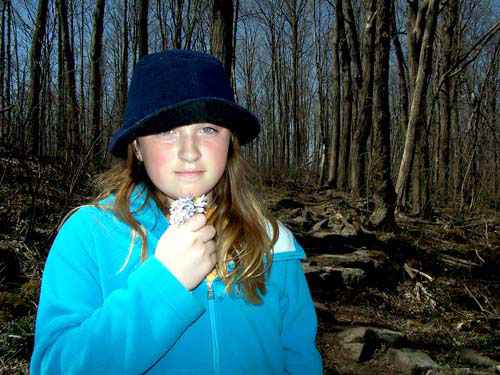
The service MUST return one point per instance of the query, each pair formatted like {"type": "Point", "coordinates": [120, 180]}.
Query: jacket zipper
{"type": "Point", "coordinates": [211, 309]}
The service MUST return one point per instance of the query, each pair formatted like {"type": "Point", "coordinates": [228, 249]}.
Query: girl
{"type": "Point", "coordinates": [124, 292]}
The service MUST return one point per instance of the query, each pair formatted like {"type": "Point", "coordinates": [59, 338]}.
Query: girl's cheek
{"type": "Point", "coordinates": [161, 155]}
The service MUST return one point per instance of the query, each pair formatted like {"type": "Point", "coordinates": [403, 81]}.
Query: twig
{"type": "Point", "coordinates": [457, 261]}
{"type": "Point", "coordinates": [479, 256]}
{"type": "Point", "coordinates": [471, 225]}
{"type": "Point", "coordinates": [411, 271]}
{"type": "Point", "coordinates": [475, 299]}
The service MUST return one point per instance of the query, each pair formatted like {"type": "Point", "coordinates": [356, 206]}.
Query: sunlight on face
{"type": "Point", "coordinates": [187, 160]}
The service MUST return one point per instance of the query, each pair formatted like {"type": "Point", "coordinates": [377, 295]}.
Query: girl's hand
{"type": "Point", "coordinates": [188, 251]}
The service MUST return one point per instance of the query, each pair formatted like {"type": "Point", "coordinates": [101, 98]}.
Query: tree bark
{"type": "Point", "coordinates": [445, 97]}
{"type": "Point", "coordinates": [95, 101]}
{"type": "Point", "coordinates": [345, 147]}
{"type": "Point", "coordinates": [322, 144]}
{"type": "Point", "coordinates": [70, 81]}
{"type": "Point", "coordinates": [365, 104]}
{"type": "Point", "coordinates": [4, 128]}
{"type": "Point", "coordinates": [293, 14]}
{"type": "Point", "coordinates": [403, 86]}
{"type": "Point", "coordinates": [142, 26]}
{"type": "Point", "coordinates": [221, 37]}
{"type": "Point", "coordinates": [421, 33]}
{"type": "Point", "coordinates": [124, 62]}
{"type": "Point", "coordinates": [35, 75]}
{"type": "Point", "coordinates": [178, 24]}
{"type": "Point", "coordinates": [62, 128]}
{"type": "Point", "coordinates": [384, 195]}
{"type": "Point", "coordinates": [333, 152]}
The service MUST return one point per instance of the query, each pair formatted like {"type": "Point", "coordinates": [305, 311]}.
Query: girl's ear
{"type": "Point", "coordinates": [137, 150]}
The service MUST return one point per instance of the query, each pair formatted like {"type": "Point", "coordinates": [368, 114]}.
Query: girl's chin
{"type": "Point", "coordinates": [194, 193]}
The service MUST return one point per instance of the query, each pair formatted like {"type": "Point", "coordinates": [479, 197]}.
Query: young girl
{"type": "Point", "coordinates": [124, 292]}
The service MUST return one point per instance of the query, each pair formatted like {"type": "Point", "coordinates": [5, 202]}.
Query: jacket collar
{"type": "Point", "coordinates": [147, 213]}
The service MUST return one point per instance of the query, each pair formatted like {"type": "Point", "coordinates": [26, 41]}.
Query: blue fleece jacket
{"type": "Point", "coordinates": [97, 317]}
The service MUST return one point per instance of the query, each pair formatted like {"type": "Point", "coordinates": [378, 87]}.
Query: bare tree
{"type": "Point", "coordinates": [448, 31]}
{"type": "Point", "coordinates": [35, 75]}
{"type": "Point", "coordinates": [221, 36]}
{"type": "Point", "coordinates": [365, 102]}
{"type": "Point", "coordinates": [141, 11]}
{"type": "Point", "coordinates": [403, 87]}
{"type": "Point", "coordinates": [124, 61]}
{"type": "Point", "coordinates": [333, 157]}
{"type": "Point", "coordinates": [384, 195]}
{"type": "Point", "coordinates": [95, 101]}
{"type": "Point", "coordinates": [347, 98]}
{"type": "Point", "coordinates": [69, 78]}
{"type": "Point", "coordinates": [421, 25]}
{"type": "Point", "coordinates": [322, 143]}
{"type": "Point", "coordinates": [177, 16]}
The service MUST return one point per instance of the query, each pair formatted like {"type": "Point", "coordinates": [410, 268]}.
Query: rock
{"type": "Point", "coordinates": [333, 231]}
{"type": "Point", "coordinates": [349, 335]}
{"type": "Point", "coordinates": [367, 260]}
{"type": "Point", "coordinates": [358, 342]}
{"type": "Point", "coordinates": [333, 277]}
{"type": "Point", "coordinates": [323, 224]}
{"type": "Point", "coordinates": [323, 312]}
{"type": "Point", "coordinates": [411, 361]}
{"type": "Point", "coordinates": [389, 337]}
{"type": "Point", "coordinates": [343, 277]}
{"type": "Point", "coordinates": [353, 351]}
{"type": "Point", "coordinates": [476, 359]}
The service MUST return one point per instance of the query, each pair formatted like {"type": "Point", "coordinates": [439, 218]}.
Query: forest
{"type": "Point", "coordinates": [390, 107]}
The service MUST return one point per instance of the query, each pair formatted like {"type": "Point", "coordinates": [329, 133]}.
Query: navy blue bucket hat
{"type": "Point", "coordinates": [180, 87]}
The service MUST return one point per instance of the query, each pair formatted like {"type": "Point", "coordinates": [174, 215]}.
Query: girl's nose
{"type": "Point", "coordinates": [188, 148]}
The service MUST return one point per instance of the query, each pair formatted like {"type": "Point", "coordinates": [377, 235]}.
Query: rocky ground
{"type": "Point", "coordinates": [422, 300]}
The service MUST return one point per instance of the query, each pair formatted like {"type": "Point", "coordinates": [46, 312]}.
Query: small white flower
{"type": "Point", "coordinates": [185, 207]}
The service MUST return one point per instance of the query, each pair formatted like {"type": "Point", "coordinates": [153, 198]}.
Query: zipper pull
{"type": "Point", "coordinates": [210, 290]}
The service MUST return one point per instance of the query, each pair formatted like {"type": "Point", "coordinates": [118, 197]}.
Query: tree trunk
{"type": "Point", "coordinates": [333, 152]}
{"type": "Point", "coordinates": [70, 81]}
{"type": "Point", "coordinates": [293, 15]}
{"type": "Point", "coordinates": [3, 125]}
{"type": "Point", "coordinates": [384, 194]}
{"type": "Point", "coordinates": [124, 62]}
{"type": "Point", "coordinates": [352, 35]}
{"type": "Point", "coordinates": [445, 97]}
{"type": "Point", "coordinates": [365, 103]}
{"type": "Point", "coordinates": [403, 87]}
{"type": "Point", "coordinates": [63, 137]}
{"type": "Point", "coordinates": [95, 101]}
{"type": "Point", "coordinates": [6, 82]}
{"type": "Point", "coordinates": [178, 24]}
{"type": "Point", "coordinates": [420, 39]}
{"type": "Point", "coordinates": [35, 75]}
{"type": "Point", "coordinates": [322, 145]}
{"type": "Point", "coordinates": [142, 26]}
{"type": "Point", "coordinates": [222, 33]}
{"type": "Point", "coordinates": [345, 149]}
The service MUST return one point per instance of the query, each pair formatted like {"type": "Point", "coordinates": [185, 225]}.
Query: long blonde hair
{"type": "Point", "coordinates": [240, 220]}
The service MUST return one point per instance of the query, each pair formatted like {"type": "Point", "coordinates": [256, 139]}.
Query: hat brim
{"type": "Point", "coordinates": [239, 120]}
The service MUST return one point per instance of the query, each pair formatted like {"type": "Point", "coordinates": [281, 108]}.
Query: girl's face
{"type": "Point", "coordinates": [187, 160]}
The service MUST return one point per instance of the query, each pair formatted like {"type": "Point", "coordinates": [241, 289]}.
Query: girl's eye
{"type": "Point", "coordinates": [209, 130]}
{"type": "Point", "coordinates": [169, 134]}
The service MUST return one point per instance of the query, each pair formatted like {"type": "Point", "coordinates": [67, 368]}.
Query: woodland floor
{"type": "Point", "coordinates": [458, 286]}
